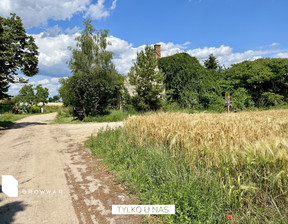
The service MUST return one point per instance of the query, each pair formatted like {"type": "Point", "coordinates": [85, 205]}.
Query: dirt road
{"type": "Point", "coordinates": [59, 181]}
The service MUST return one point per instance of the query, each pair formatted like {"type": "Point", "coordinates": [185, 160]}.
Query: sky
{"type": "Point", "coordinates": [232, 30]}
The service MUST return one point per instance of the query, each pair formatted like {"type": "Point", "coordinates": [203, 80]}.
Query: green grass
{"type": "Point", "coordinates": [51, 109]}
{"type": "Point", "coordinates": [65, 116]}
{"type": "Point", "coordinates": [157, 177]}
{"type": "Point", "coordinates": [7, 119]}
{"type": "Point", "coordinates": [252, 191]}
{"type": "Point", "coordinates": [111, 116]}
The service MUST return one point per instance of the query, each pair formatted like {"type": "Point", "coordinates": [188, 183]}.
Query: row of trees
{"type": "Point", "coordinates": [29, 98]}
{"type": "Point", "coordinates": [179, 80]}
{"type": "Point", "coordinates": [260, 83]}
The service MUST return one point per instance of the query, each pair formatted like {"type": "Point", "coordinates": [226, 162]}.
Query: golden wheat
{"type": "Point", "coordinates": [266, 131]}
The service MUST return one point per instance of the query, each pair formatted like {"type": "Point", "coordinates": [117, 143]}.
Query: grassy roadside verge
{"type": "Point", "coordinates": [206, 184]}
{"type": "Point", "coordinates": [7, 119]}
{"type": "Point", "coordinates": [65, 116]}
{"type": "Point", "coordinates": [157, 177]}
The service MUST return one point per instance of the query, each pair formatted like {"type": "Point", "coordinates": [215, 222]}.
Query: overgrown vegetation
{"type": "Point", "coordinates": [261, 83]}
{"type": "Point", "coordinates": [189, 84]}
{"type": "Point", "coordinates": [65, 115]}
{"type": "Point", "coordinates": [208, 165]}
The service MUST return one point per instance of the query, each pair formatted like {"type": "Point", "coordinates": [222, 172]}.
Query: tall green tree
{"type": "Point", "coordinates": [211, 62]}
{"type": "Point", "coordinates": [95, 79]}
{"type": "Point", "coordinates": [41, 95]}
{"type": "Point", "coordinates": [18, 51]}
{"type": "Point", "coordinates": [148, 81]}
{"type": "Point", "coordinates": [26, 95]}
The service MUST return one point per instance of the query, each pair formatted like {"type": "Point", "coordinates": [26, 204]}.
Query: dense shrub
{"type": "Point", "coordinates": [241, 100]}
{"type": "Point", "coordinates": [34, 109]}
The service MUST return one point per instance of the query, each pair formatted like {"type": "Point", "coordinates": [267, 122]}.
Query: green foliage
{"type": "Point", "coordinates": [95, 83]}
{"type": "Point", "coordinates": [7, 119]}
{"type": "Point", "coordinates": [18, 51]}
{"type": "Point", "coordinates": [54, 99]}
{"type": "Point", "coordinates": [34, 109]}
{"type": "Point", "coordinates": [65, 115]}
{"type": "Point", "coordinates": [67, 93]}
{"type": "Point", "coordinates": [157, 177]}
{"type": "Point", "coordinates": [271, 99]}
{"type": "Point", "coordinates": [250, 185]}
{"type": "Point", "coordinates": [126, 100]}
{"type": "Point", "coordinates": [6, 102]}
{"type": "Point", "coordinates": [211, 62]}
{"type": "Point", "coordinates": [111, 116]}
{"type": "Point", "coordinates": [51, 109]}
{"type": "Point", "coordinates": [259, 77]}
{"type": "Point", "coordinates": [26, 95]}
{"type": "Point", "coordinates": [148, 81]}
{"type": "Point", "coordinates": [188, 83]}
{"type": "Point", "coordinates": [41, 95]}
{"type": "Point", "coordinates": [241, 100]}
{"type": "Point", "coordinates": [5, 108]}
{"type": "Point", "coordinates": [29, 95]}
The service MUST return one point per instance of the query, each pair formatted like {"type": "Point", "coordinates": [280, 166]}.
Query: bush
{"type": "Point", "coordinates": [5, 108]}
{"type": "Point", "coordinates": [34, 109]}
{"type": "Point", "coordinates": [241, 100]}
{"type": "Point", "coordinates": [271, 99]}
{"type": "Point", "coordinates": [7, 102]}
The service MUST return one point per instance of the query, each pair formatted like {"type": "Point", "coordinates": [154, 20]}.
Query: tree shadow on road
{"type": "Point", "coordinates": [9, 210]}
{"type": "Point", "coordinates": [24, 124]}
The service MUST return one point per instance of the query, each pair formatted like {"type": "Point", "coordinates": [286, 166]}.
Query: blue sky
{"type": "Point", "coordinates": [233, 30]}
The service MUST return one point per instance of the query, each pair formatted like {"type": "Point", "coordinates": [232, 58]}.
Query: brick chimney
{"type": "Point", "coordinates": [157, 50]}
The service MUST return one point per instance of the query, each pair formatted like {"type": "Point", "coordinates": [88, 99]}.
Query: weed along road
{"type": "Point", "coordinates": [58, 180]}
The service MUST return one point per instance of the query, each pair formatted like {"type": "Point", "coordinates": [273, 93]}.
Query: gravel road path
{"type": "Point", "coordinates": [47, 157]}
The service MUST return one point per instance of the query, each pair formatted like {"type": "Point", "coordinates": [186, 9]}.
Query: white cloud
{"type": "Point", "coordinates": [55, 80]}
{"type": "Point", "coordinates": [73, 30]}
{"type": "Point", "coordinates": [38, 12]}
{"type": "Point", "coordinates": [54, 53]}
{"type": "Point", "coordinates": [113, 6]}
{"type": "Point", "coordinates": [274, 44]}
{"type": "Point", "coordinates": [226, 56]}
{"type": "Point", "coordinates": [52, 31]}
{"type": "Point", "coordinates": [205, 52]}
{"type": "Point", "coordinates": [99, 10]}
{"type": "Point", "coordinates": [43, 82]}
{"type": "Point", "coordinates": [282, 55]}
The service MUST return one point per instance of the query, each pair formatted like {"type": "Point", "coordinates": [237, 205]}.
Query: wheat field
{"type": "Point", "coordinates": [246, 152]}
{"type": "Point", "coordinates": [265, 131]}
